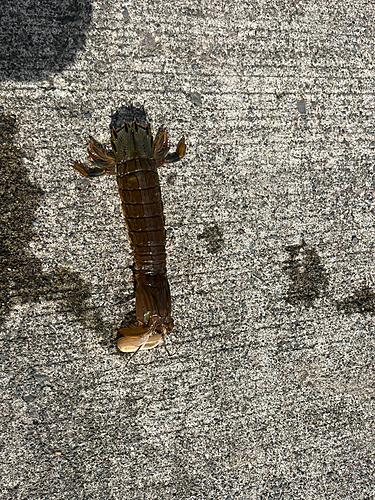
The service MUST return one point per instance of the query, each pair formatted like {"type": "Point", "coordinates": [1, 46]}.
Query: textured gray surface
{"type": "Point", "coordinates": [270, 221]}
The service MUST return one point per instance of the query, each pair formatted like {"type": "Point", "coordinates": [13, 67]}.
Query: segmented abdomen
{"type": "Point", "coordinates": [139, 189]}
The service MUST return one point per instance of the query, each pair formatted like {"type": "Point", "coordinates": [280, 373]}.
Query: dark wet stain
{"type": "Point", "coordinates": [308, 276]}
{"type": "Point", "coordinates": [362, 301]}
{"type": "Point", "coordinates": [41, 37]}
{"type": "Point", "coordinates": [171, 178]}
{"type": "Point", "coordinates": [214, 237]}
{"type": "Point", "coordinates": [22, 279]}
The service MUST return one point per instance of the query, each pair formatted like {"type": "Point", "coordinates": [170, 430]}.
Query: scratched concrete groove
{"type": "Point", "coordinates": [271, 235]}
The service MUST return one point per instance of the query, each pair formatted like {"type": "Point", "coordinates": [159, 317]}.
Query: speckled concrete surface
{"type": "Point", "coordinates": [271, 233]}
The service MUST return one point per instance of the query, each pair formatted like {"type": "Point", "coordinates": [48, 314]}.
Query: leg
{"type": "Point", "coordinates": [178, 154]}
{"type": "Point", "coordinates": [161, 149]}
{"type": "Point", "coordinates": [88, 171]}
{"type": "Point", "coordinates": [103, 161]}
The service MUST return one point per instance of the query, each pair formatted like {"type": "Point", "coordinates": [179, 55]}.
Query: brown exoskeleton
{"type": "Point", "coordinates": [134, 160]}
